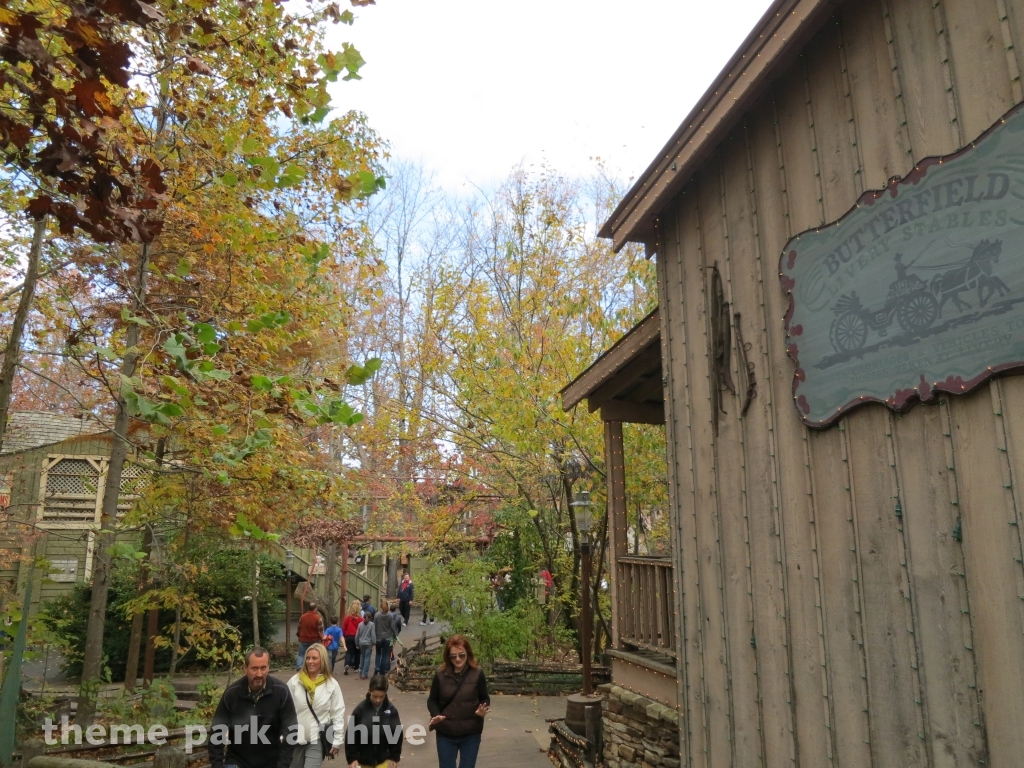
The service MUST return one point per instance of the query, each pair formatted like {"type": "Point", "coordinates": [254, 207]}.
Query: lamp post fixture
{"type": "Point", "coordinates": [582, 512]}
{"type": "Point", "coordinates": [289, 564]}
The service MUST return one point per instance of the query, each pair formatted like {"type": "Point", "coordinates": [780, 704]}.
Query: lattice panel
{"type": "Point", "coordinates": [69, 512]}
{"type": "Point", "coordinates": [75, 477]}
{"type": "Point", "coordinates": [134, 479]}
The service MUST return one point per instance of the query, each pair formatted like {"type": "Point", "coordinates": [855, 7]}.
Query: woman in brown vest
{"type": "Point", "coordinates": [458, 703]}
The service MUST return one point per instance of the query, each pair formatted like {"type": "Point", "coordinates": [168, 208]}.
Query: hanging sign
{"type": "Point", "coordinates": [918, 289]}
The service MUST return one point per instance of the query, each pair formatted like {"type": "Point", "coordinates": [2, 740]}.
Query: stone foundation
{"type": "Point", "coordinates": [636, 731]}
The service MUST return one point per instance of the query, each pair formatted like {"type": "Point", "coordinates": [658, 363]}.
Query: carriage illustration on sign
{"type": "Point", "coordinates": [916, 304]}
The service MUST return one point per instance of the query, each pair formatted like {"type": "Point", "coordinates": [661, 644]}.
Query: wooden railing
{"type": "Point", "coordinates": [645, 604]}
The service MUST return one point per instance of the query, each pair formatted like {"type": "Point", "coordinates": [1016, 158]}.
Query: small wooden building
{"type": "Point", "coordinates": [845, 589]}
{"type": "Point", "coordinates": [52, 474]}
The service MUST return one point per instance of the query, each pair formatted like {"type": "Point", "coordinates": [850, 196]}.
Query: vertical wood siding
{"type": "Point", "coordinates": [853, 596]}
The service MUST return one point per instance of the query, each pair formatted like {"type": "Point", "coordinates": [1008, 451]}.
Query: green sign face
{"type": "Point", "coordinates": [917, 289]}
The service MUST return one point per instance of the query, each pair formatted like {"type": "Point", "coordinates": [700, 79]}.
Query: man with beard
{"type": "Point", "coordinates": [254, 716]}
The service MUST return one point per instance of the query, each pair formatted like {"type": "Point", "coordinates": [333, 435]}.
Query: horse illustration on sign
{"type": "Point", "coordinates": [951, 233]}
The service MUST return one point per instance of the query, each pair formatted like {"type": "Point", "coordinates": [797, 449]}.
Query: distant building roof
{"type": "Point", "coordinates": [33, 429]}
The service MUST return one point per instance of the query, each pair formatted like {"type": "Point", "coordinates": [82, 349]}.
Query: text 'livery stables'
{"type": "Point", "coordinates": [919, 288]}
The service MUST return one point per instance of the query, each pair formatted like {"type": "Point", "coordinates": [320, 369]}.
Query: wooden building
{"type": "Point", "coordinates": [52, 473]}
{"type": "Point", "coordinates": [848, 592]}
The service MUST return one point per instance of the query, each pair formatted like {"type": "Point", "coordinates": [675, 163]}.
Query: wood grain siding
{"type": "Point", "coordinates": [853, 596]}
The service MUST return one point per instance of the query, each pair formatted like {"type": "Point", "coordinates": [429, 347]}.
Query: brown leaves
{"type": "Point", "coordinates": [198, 66]}
{"type": "Point", "coordinates": [63, 112]}
{"type": "Point", "coordinates": [320, 532]}
{"type": "Point", "coordinates": [92, 99]}
{"type": "Point", "coordinates": [359, 3]}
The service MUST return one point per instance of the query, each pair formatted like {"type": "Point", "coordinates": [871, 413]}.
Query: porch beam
{"type": "Point", "coordinates": [633, 413]}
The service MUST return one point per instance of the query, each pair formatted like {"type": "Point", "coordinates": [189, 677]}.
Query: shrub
{"type": "Point", "coordinates": [460, 594]}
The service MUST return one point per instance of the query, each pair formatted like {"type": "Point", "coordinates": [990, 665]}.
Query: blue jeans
{"type": "Point", "coordinates": [303, 647]}
{"type": "Point", "coordinates": [383, 657]}
{"type": "Point", "coordinates": [334, 654]}
{"type": "Point", "coordinates": [448, 749]}
{"type": "Point", "coordinates": [365, 657]}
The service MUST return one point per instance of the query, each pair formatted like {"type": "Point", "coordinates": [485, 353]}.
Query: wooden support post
{"type": "Point", "coordinates": [616, 477]}
{"type": "Point", "coordinates": [169, 757]}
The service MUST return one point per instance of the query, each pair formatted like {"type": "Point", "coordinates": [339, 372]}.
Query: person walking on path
{"type": "Point", "coordinates": [385, 627]}
{"type": "Point", "coordinates": [349, 627]}
{"type": "Point", "coordinates": [332, 639]}
{"type": "Point", "coordinates": [405, 597]}
{"type": "Point", "coordinates": [374, 716]}
{"type": "Point", "coordinates": [366, 638]}
{"type": "Point", "coordinates": [458, 703]}
{"type": "Point", "coordinates": [311, 630]}
{"type": "Point", "coordinates": [319, 709]}
{"type": "Point", "coordinates": [368, 606]}
{"type": "Point", "coordinates": [256, 697]}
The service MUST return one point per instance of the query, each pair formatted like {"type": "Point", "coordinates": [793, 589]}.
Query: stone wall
{"type": "Point", "coordinates": [636, 731]}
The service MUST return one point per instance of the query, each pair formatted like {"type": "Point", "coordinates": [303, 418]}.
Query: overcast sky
{"type": "Point", "coordinates": [474, 87]}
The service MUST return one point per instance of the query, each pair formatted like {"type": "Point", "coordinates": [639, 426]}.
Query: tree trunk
{"type": "Point", "coordinates": [132, 670]}
{"type": "Point", "coordinates": [93, 657]}
{"type": "Point", "coordinates": [255, 604]}
{"type": "Point", "coordinates": [12, 355]}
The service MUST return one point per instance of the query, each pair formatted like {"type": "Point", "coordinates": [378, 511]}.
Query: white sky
{"type": "Point", "coordinates": [473, 87]}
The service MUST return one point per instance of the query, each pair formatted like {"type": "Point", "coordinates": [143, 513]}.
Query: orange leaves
{"type": "Point", "coordinates": [92, 99]}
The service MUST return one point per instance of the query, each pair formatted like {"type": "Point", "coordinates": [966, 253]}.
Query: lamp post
{"type": "Point", "coordinates": [289, 564]}
{"type": "Point", "coordinates": [582, 512]}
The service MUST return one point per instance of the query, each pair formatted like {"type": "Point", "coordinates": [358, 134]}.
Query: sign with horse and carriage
{"type": "Point", "coordinates": [918, 289]}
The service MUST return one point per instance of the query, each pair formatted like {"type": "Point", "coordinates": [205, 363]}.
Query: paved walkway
{"type": "Point", "coordinates": [515, 732]}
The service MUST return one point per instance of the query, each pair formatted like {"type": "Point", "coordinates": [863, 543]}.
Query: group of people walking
{"type": "Point", "coordinates": [264, 722]}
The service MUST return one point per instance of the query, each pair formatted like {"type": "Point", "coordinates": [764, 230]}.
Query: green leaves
{"type": "Point", "coordinates": [360, 374]}
{"type": "Point", "coordinates": [349, 61]}
{"type": "Point", "coordinates": [246, 529]}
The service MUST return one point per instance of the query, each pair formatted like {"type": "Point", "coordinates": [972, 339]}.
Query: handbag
{"type": "Point", "coordinates": [325, 746]}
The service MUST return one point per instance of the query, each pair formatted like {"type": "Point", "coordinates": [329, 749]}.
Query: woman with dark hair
{"type": "Point", "coordinates": [458, 703]}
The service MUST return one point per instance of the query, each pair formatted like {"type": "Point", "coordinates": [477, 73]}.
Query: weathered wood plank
{"type": "Point", "coordinates": [771, 195]}
{"type": "Point", "coordinates": [986, 511]}
{"type": "Point", "coordinates": [877, 93]}
{"type": "Point", "coordinates": [926, 77]}
{"type": "Point", "coordinates": [981, 78]}
{"type": "Point", "coordinates": [927, 496]}
{"type": "Point", "coordinates": [732, 501]}
{"type": "Point", "coordinates": [834, 140]}
{"type": "Point", "coordinates": [893, 688]}
{"type": "Point", "coordinates": [696, 305]}
{"type": "Point", "coordinates": [768, 636]}
{"type": "Point", "coordinates": [693, 725]}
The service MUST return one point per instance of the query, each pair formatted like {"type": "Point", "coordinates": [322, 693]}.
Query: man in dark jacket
{"type": "Point", "coordinates": [254, 716]}
{"type": "Point", "coordinates": [374, 732]}
{"type": "Point", "coordinates": [405, 597]}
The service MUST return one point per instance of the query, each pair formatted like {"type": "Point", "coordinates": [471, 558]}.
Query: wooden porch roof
{"type": "Point", "coordinates": [625, 381]}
